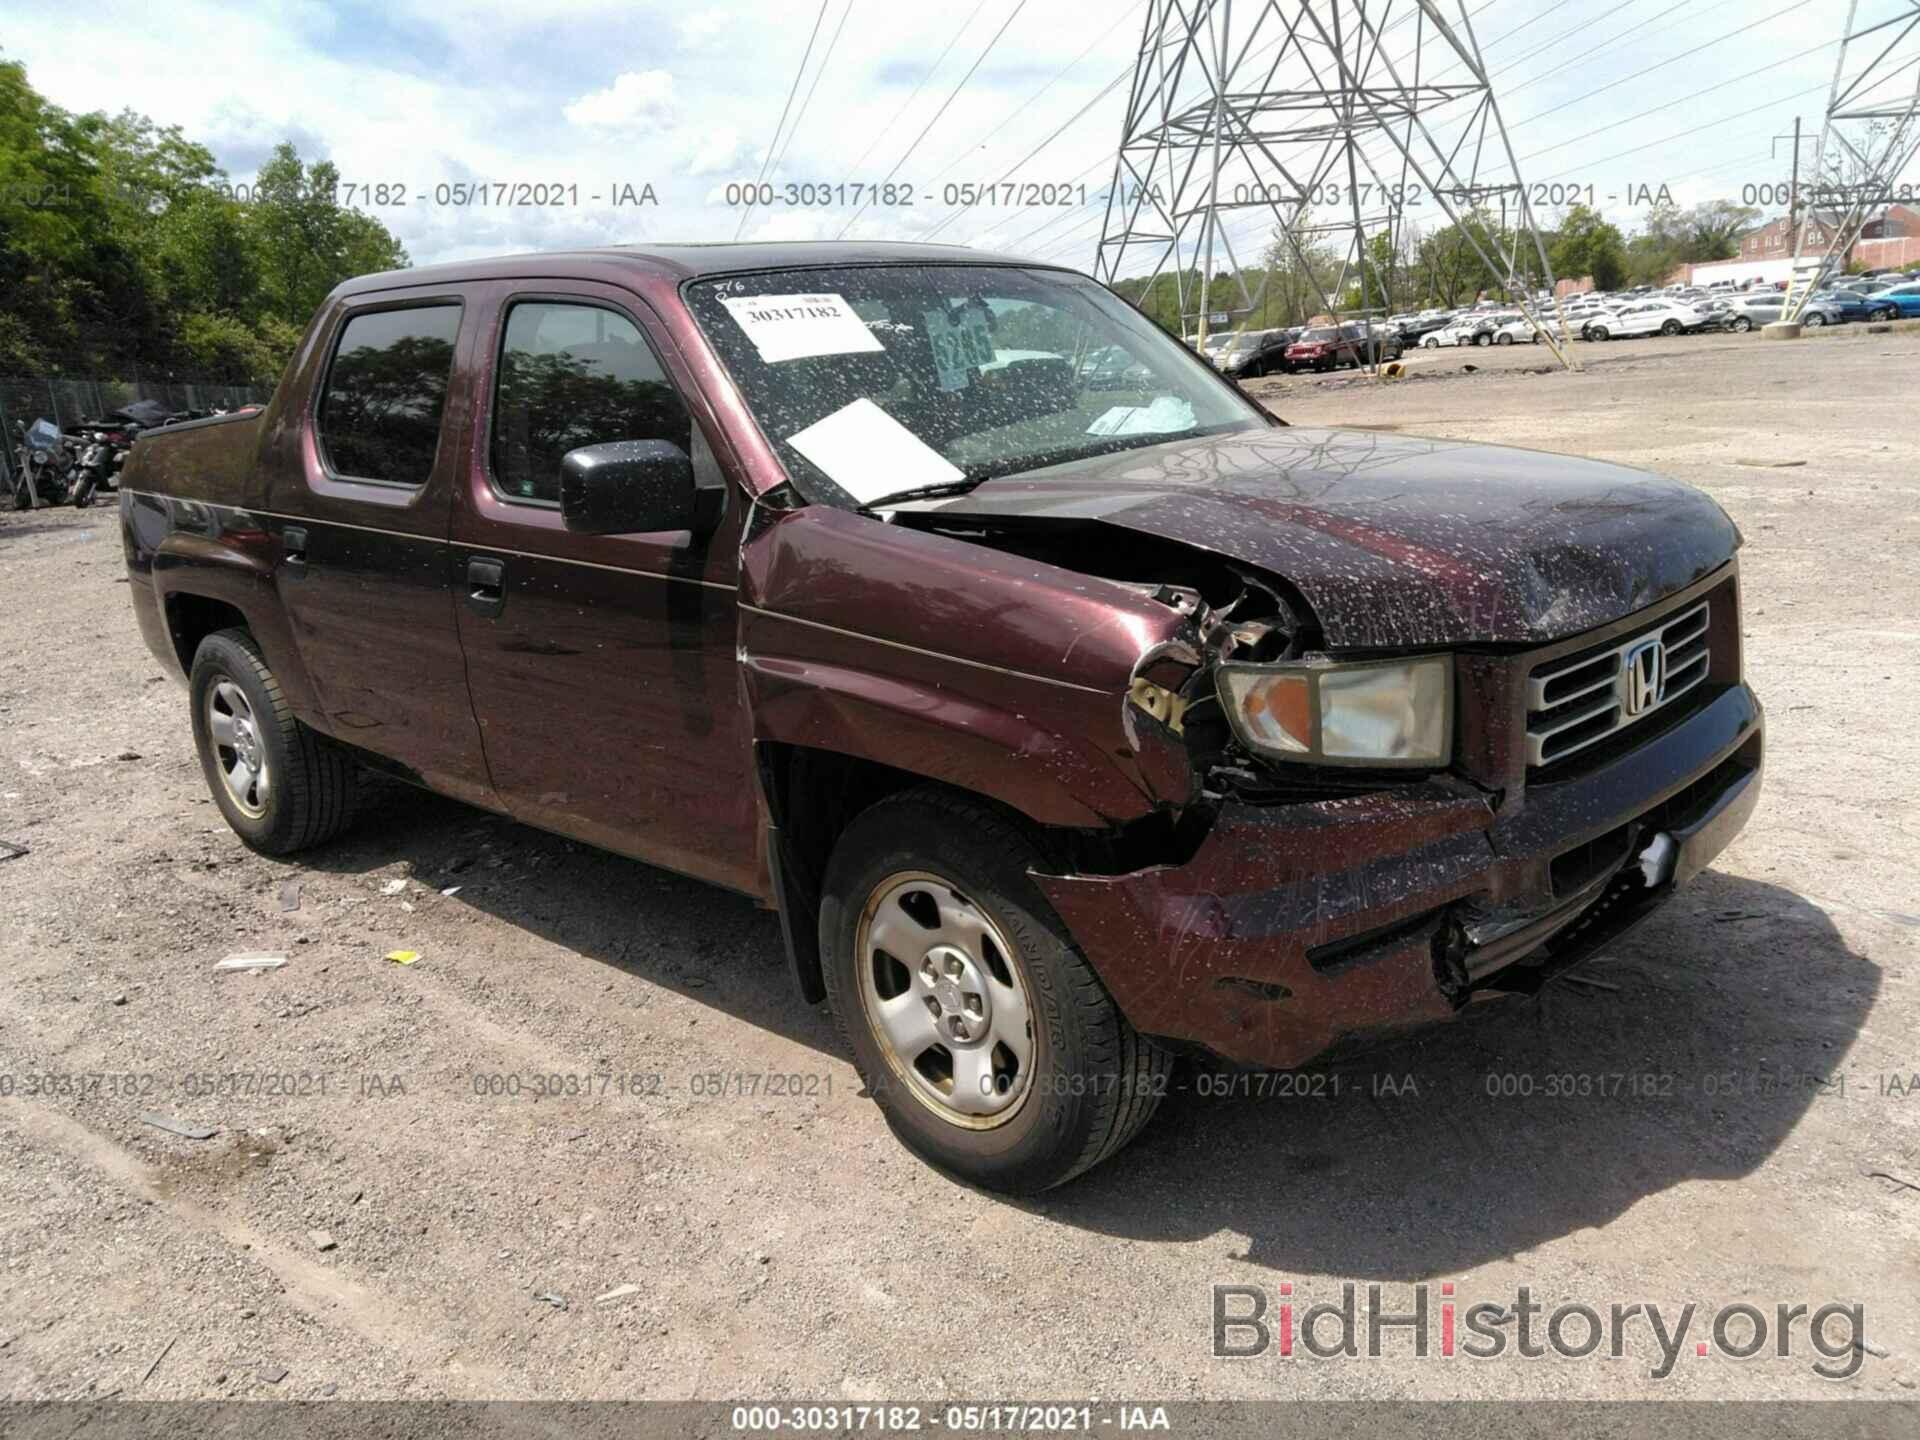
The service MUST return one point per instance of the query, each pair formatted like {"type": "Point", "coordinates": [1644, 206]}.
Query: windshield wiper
{"type": "Point", "coordinates": [924, 492]}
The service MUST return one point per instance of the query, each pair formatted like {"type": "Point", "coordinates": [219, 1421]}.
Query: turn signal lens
{"type": "Point", "coordinates": [1378, 713]}
{"type": "Point", "coordinates": [1272, 710]}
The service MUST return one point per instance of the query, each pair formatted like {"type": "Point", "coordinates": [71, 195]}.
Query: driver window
{"type": "Point", "coordinates": [573, 375]}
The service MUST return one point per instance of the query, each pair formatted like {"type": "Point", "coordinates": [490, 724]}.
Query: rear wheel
{"type": "Point", "coordinates": [1671, 327]}
{"type": "Point", "coordinates": [1430, 343]}
{"type": "Point", "coordinates": [1814, 320]}
{"type": "Point", "coordinates": [979, 1028]}
{"type": "Point", "coordinates": [1482, 339]}
{"type": "Point", "coordinates": [1503, 339]}
{"type": "Point", "coordinates": [1740, 324]}
{"type": "Point", "coordinates": [281, 786]}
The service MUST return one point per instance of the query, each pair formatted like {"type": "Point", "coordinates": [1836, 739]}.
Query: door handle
{"type": "Point", "coordinates": [486, 586]}
{"type": "Point", "coordinates": [293, 548]}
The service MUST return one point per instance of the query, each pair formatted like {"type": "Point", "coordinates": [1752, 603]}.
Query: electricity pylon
{"type": "Point", "coordinates": [1320, 115]}
{"type": "Point", "coordinates": [1869, 137]}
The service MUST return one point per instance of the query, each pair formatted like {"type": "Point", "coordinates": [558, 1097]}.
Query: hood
{"type": "Point", "coordinates": [1396, 541]}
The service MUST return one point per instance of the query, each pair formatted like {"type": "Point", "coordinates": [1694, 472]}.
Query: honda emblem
{"type": "Point", "coordinates": [1646, 677]}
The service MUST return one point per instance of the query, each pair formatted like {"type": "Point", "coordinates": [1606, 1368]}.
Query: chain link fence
{"type": "Point", "coordinates": [68, 401]}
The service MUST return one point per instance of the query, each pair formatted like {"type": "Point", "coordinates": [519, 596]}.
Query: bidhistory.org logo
{"type": "Point", "coordinates": [1248, 1325]}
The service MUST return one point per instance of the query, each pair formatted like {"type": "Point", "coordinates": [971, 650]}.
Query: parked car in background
{"type": "Point", "coordinates": [1328, 347]}
{"type": "Point", "coordinates": [1459, 332]}
{"type": "Point", "coordinates": [1645, 317]}
{"type": "Point", "coordinates": [1846, 306]}
{"type": "Point", "coordinates": [1063, 731]}
{"type": "Point", "coordinates": [1264, 352]}
{"type": "Point", "coordinates": [1110, 367]}
{"type": "Point", "coordinates": [1413, 331]}
{"type": "Point", "coordinates": [1900, 301]}
{"type": "Point", "coordinates": [1763, 307]}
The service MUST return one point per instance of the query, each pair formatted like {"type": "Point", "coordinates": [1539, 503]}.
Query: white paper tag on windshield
{"type": "Point", "coordinates": [957, 349]}
{"type": "Point", "coordinates": [868, 453]}
{"type": "Point", "coordinates": [1167, 415]}
{"type": "Point", "coordinates": [797, 327]}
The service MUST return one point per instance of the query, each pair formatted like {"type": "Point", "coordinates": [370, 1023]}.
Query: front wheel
{"type": "Point", "coordinates": [990, 1045]}
{"type": "Point", "coordinates": [1598, 332]}
{"type": "Point", "coordinates": [83, 494]}
{"type": "Point", "coordinates": [281, 786]}
{"type": "Point", "coordinates": [22, 496]}
{"type": "Point", "coordinates": [1482, 339]}
{"type": "Point", "coordinates": [1430, 343]}
{"type": "Point", "coordinates": [1503, 340]}
{"type": "Point", "coordinates": [1883, 315]}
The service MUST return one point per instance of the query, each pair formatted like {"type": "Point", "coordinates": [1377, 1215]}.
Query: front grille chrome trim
{"type": "Point", "coordinates": [1564, 719]}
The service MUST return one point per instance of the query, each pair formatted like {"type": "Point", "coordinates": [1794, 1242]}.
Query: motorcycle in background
{"type": "Point", "coordinates": [43, 464]}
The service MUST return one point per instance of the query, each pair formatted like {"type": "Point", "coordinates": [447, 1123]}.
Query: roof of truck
{"type": "Point", "coordinates": [686, 262]}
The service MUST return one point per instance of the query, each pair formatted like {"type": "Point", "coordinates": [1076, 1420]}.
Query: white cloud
{"type": "Point", "coordinates": [637, 100]}
{"type": "Point", "coordinates": [703, 29]}
{"type": "Point", "coordinates": [716, 151]}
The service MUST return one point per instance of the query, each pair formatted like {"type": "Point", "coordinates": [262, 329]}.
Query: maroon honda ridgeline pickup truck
{"type": "Point", "coordinates": [1072, 710]}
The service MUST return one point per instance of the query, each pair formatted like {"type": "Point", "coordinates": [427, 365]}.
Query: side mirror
{"type": "Point", "coordinates": [634, 487]}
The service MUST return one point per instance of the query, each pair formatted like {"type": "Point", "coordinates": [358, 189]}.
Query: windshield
{"type": "Point", "coordinates": [871, 381]}
{"type": "Point", "coordinates": [1324, 333]}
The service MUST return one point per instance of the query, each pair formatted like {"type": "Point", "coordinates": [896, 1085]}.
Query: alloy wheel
{"type": "Point", "coordinates": [945, 997]}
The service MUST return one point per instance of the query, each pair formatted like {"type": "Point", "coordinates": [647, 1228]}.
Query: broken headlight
{"type": "Point", "coordinates": [1372, 712]}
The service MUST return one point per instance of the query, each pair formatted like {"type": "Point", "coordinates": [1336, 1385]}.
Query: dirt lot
{"type": "Point", "coordinates": [785, 1245]}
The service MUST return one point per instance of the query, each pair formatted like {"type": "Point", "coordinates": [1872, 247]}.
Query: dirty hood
{"type": "Point", "coordinates": [1393, 540]}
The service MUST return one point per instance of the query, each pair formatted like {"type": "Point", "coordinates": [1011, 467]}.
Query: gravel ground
{"type": "Point", "coordinates": [783, 1244]}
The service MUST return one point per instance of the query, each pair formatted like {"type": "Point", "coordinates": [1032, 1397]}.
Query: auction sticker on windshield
{"type": "Point", "coordinates": [868, 453]}
{"type": "Point", "coordinates": [957, 349]}
{"type": "Point", "coordinates": [798, 327]}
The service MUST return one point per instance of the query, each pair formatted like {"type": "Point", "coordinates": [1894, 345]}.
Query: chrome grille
{"type": "Point", "coordinates": [1583, 699]}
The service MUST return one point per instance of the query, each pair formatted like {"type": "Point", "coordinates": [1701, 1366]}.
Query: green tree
{"type": "Point", "coordinates": [1589, 246]}
{"type": "Point", "coordinates": [123, 252]}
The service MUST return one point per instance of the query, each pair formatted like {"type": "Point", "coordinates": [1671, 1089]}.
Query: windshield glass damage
{"type": "Point", "coordinates": [876, 382]}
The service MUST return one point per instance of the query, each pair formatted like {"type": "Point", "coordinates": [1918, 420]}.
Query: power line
{"type": "Point", "coordinates": [1015, 113]}
{"type": "Point", "coordinates": [932, 70]}
{"type": "Point", "coordinates": [825, 60]}
{"type": "Point", "coordinates": [774, 144]}
{"type": "Point", "coordinates": [955, 95]}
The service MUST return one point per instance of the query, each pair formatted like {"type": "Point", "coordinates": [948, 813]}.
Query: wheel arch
{"type": "Point", "coordinates": [202, 587]}
{"type": "Point", "coordinates": [811, 796]}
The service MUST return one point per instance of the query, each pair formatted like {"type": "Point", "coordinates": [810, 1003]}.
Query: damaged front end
{"type": "Point", "coordinates": [1344, 844]}
{"type": "Point", "coordinates": [1318, 900]}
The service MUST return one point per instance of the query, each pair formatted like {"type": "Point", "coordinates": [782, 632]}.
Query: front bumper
{"type": "Point", "coordinates": [1298, 928]}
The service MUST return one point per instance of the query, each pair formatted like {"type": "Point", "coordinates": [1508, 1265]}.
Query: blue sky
{"type": "Point", "coordinates": [594, 94]}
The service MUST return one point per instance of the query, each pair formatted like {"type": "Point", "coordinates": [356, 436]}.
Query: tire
{"type": "Point", "coordinates": [1599, 333]}
{"type": "Point", "coordinates": [83, 494]}
{"type": "Point", "coordinates": [1430, 343]}
{"type": "Point", "coordinates": [22, 496]}
{"type": "Point", "coordinates": [302, 791]}
{"type": "Point", "coordinates": [1814, 320]}
{"type": "Point", "coordinates": [1671, 328]}
{"type": "Point", "coordinates": [1740, 324]}
{"type": "Point", "coordinates": [1884, 315]}
{"type": "Point", "coordinates": [1088, 1082]}
{"type": "Point", "coordinates": [1482, 340]}
{"type": "Point", "coordinates": [1503, 339]}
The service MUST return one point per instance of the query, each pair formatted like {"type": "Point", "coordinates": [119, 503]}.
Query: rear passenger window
{"type": "Point", "coordinates": [386, 390]}
{"type": "Point", "coordinates": [573, 375]}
